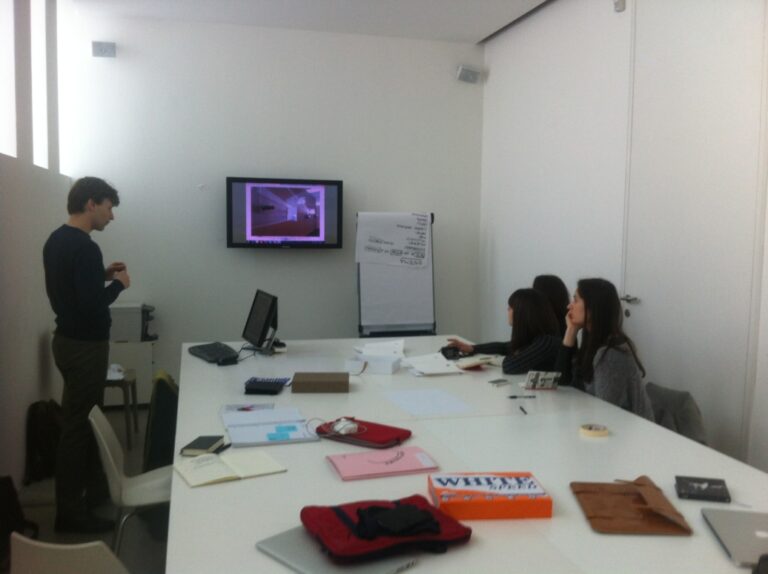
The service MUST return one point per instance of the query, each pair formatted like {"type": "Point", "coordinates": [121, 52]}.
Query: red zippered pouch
{"type": "Point", "coordinates": [375, 528]}
{"type": "Point", "coordinates": [370, 434]}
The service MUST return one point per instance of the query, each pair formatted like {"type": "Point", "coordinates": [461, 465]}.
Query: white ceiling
{"type": "Point", "coordinates": [444, 20]}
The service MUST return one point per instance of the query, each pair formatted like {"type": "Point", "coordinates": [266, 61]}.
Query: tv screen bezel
{"type": "Point", "coordinates": [287, 244]}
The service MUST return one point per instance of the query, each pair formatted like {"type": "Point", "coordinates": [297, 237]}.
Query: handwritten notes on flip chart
{"type": "Point", "coordinates": [393, 239]}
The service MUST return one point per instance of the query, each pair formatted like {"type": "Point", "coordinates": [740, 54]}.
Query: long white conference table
{"type": "Point", "coordinates": [468, 426]}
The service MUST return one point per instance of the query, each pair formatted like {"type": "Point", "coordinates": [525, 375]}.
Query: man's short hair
{"type": "Point", "coordinates": [87, 188]}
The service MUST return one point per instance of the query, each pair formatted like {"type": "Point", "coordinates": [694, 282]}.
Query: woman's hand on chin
{"type": "Point", "coordinates": [571, 330]}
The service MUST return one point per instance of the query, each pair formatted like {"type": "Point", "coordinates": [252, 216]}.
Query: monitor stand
{"type": "Point", "coordinates": [265, 349]}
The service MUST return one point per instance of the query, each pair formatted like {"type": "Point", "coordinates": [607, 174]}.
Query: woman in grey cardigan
{"type": "Point", "coordinates": [606, 363]}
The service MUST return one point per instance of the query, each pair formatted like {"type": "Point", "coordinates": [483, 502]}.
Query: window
{"type": "Point", "coordinates": [39, 84]}
{"type": "Point", "coordinates": [7, 80]}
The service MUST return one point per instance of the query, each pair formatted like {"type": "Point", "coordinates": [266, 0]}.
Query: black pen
{"type": "Point", "coordinates": [521, 397]}
{"type": "Point", "coordinates": [522, 409]}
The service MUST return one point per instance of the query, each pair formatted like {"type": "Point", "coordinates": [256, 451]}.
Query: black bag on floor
{"type": "Point", "coordinates": [11, 520]}
{"type": "Point", "coordinates": [43, 432]}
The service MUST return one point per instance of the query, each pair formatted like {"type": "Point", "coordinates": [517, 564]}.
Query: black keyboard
{"type": "Point", "coordinates": [265, 385]}
{"type": "Point", "coordinates": [218, 353]}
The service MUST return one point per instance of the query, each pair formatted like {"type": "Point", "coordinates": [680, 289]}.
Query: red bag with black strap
{"type": "Point", "coordinates": [374, 528]}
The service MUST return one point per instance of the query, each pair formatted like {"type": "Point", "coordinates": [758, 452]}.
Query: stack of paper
{"type": "Point", "coordinates": [394, 349]}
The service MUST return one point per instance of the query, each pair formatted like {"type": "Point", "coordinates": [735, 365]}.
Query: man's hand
{"type": "Point", "coordinates": [109, 274]}
{"type": "Point", "coordinates": [123, 277]}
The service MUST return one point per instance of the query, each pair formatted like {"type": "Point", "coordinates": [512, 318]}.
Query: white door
{"type": "Point", "coordinates": [693, 198]}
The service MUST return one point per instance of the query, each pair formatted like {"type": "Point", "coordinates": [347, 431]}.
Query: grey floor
{"type": "Point", "coordinates": [141, 552]}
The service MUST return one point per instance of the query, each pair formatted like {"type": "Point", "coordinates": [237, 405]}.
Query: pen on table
{"type": "Point", "coordinates": [521, 397]}
{"type": "Point", "coordinates": [522, 409]}
{"type": "Point", "coordinates": [222, 448]}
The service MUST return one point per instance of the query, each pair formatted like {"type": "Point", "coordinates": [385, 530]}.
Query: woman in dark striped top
{"type": "Point", "coordinates": [535, 335]}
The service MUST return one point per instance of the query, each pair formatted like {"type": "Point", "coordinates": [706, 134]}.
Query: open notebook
{"type": "Point", "coordinates": [230, 465]}
{"type": "Point", "coordinates": [264, 423]}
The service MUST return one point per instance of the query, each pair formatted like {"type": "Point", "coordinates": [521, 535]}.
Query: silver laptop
{"type": "Point", "coordinates": [301, 553]}
{"type": "Point", "coordinates": [744, 535]}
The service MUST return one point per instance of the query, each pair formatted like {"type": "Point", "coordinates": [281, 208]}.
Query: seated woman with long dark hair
{"type": "Point", "coordinates": [556, 292]}
{"type": "Point", "coordinates": [535, 341]}
{"type": "Point", "coordinates": [606, 364]}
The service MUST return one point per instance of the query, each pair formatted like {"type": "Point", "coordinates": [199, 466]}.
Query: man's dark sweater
{"type": "Point", "coordinates": [74, 281]}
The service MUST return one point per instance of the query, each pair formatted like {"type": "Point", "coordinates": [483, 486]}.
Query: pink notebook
{"type": "Point", "coordinates": [373, 464]}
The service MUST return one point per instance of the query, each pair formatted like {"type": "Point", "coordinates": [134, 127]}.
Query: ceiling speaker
{"type": "Point", "coordinates": [103, 49]}
{"type": "Point", "coordinates": [468, 75]}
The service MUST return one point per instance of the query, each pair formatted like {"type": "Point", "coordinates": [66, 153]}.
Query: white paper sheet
{"type": "Point", "coordinates": [400, 239]}
{"type": "Point", "coordinates": [115, 372]}
{"type": "Point", "coordinates": [432, 364]}
{"type": "Point", "coordinates": [426, 402]}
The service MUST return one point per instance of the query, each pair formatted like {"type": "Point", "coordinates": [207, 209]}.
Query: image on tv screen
{"type": "Point", "coordinates": [283, 213]}
{"type": "Point", "coordinates": [276, 212]}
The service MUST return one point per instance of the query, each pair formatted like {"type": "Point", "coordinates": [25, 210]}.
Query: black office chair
{"type": "Point", "coordinates": [159, 443]}
{"type": "Point", "coordinates": [161, 423]}
{"type": "Point", "coordinates": [677, 411]}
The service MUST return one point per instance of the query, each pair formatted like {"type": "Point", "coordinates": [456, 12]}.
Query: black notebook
{"type": "Point", "coordinates": [699, 488]}
{"type": "Point", "coordinates": [203, 445]}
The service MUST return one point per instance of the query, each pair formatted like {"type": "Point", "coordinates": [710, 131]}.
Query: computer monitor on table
{"type": "Point", "coordinates": [261, 327]}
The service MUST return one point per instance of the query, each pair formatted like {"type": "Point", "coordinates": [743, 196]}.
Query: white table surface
{"type": "Point", "coordinates": [213, 529]}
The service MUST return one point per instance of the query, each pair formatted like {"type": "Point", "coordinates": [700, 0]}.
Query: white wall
{"type": "Point", "coordinates": [184, 105]}
{"type": "Point", "coordinates": [32, 204]}
{"type": "Point", "coordinates": [757, 454]}
{"type": "Point", "coordinates": [695, 202]}
{"type": "Point", "coordinates": [554, 145]}
{"type": "Point", "coordinates": [556, 109]}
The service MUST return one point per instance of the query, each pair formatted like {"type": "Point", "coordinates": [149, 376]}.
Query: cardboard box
{"type": "Point", "coordinates": [480, 495]}
{"type": "Point", "coordinates": [320, 383]}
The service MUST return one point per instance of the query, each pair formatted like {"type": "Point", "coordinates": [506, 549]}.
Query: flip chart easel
{"type": "Point", "coordinates": [396, 300]}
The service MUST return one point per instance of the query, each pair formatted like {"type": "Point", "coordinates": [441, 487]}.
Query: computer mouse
{"type": "Point", "coordinates": [451, 353]}
{"type": "Point", "coordinates": [345, 426]}
{"type": "Point", "coordinates": [227, 361]}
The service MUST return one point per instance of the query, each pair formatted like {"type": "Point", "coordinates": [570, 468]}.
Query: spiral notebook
{"type": "Point", "coordinates": [389, 462]}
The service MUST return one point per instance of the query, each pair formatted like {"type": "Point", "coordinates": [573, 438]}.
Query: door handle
{"type": "Point", "coordinates": [632, 300]}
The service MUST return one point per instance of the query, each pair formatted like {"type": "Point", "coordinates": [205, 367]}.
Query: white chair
{"type": "Point", "coordinates": [128, 493]}
{"type": "Point", "coordinates": [34, 557]}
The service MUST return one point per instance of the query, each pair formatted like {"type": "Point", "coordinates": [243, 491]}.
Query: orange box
{"type": "Point", "coordinates": [479, 495]}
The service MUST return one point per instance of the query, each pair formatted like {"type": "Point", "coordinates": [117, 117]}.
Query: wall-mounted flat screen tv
{"type": "Point", "coordinates": [283, 213]}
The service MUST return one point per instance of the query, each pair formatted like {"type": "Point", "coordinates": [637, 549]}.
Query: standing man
{"type": "Point", "coordinates": [75, 282]}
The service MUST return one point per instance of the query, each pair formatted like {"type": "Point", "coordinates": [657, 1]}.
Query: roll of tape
{"type": "Point", "coordinates": [593, 430]}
